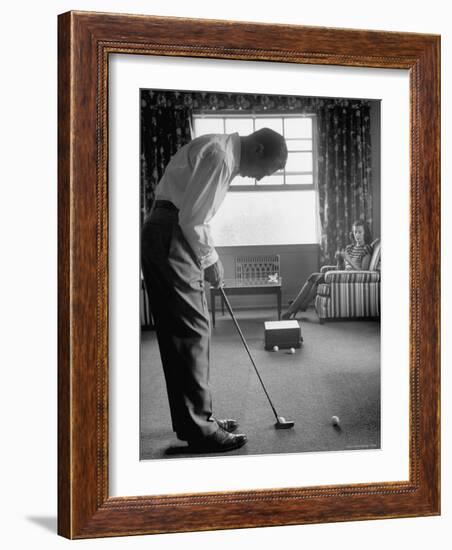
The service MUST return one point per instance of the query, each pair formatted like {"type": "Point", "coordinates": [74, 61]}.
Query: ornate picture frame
{"type": "Point", "coordinates": [85, 508]}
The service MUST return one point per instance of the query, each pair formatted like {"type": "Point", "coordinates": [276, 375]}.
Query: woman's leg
{"type": "Point", "coordinates": [304, 297]}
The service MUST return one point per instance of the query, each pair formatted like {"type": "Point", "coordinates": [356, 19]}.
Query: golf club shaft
{"type": "Point", "coordinates": [231, 313]}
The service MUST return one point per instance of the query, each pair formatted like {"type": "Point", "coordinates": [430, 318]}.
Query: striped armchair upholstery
{"type": "Point", "coordinates": [351, 294]}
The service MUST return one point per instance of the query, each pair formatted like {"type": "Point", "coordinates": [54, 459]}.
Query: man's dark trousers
{"type": "Point", "coordinates": [175, 283]}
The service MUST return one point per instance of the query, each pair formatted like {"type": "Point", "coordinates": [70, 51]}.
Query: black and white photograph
{"type": "Point", "coordinates": [260, 274]}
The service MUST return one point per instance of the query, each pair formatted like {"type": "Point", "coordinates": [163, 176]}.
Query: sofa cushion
{"type": "Point", "coordinates": [349, 277]}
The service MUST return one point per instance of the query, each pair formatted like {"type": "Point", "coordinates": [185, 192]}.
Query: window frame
{"type": "Point", "coordinates": [271, 114]}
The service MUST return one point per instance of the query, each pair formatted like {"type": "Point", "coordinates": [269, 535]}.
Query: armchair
{"type": "Point", "coordinates": [350, 294]}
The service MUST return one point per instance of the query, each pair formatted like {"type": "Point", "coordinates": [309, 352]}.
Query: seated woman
{"type": "Point", "coordinates": [356, 256]}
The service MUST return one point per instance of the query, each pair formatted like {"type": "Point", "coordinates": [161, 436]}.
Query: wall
{"type": "Point", "coordinates": [28, 227]}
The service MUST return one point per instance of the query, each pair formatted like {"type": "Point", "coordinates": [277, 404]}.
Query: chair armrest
{"type": "Point", "coordinates": [348, 276]}
{"type": "Point", "coordinates": [326, 268]}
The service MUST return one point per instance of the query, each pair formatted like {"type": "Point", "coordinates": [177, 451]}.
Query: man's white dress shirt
{"type": "Point", "coordinates": [196, 181]}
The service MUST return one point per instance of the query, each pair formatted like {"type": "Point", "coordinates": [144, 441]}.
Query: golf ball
{"type": "Point", "coordinates": [335, 420]}
{"type": "Point", "coordinates": [275, 348]}
{"type": "Point", "coordinates": [292, 350]}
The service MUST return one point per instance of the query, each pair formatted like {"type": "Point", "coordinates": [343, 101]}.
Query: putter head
{"type": "Point", "coordinates": [283, 424]}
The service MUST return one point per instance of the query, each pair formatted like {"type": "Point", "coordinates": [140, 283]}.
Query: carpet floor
{"type": "Point", "coordinates": [335, 372]}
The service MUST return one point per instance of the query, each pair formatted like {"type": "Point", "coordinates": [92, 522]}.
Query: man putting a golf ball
{"type": "Point", "coordinates": [177, 254]}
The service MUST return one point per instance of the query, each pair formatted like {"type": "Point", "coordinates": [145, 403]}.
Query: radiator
{"type": "Point", "coordinates": [257, 267]}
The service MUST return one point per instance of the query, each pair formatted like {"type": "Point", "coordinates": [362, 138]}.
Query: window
{"type": "Point", "coordinates": [298, 130]}
{"type": "Point", "coordinates": [286, 211]}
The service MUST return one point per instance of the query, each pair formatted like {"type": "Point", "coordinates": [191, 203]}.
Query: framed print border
{"type": "Point", "coordinates": [86, 40]}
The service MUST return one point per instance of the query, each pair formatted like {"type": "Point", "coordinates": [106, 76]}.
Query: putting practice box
{"type": "Point", "coordinates": [284, 334]}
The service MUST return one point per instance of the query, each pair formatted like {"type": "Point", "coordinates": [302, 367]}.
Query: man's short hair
{"type": "Point", "coordinates": [274, 144]}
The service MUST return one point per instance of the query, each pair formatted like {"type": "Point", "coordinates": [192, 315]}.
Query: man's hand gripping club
{"type": "Point", "coordinates": [214, 274]}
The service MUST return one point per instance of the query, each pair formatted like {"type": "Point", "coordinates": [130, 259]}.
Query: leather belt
{"type": "Point", "coordinates": [166, 204]}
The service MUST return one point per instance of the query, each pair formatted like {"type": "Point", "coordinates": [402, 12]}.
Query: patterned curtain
{"type": "Point", "coordinates": [344, 172]}
{"type": "Point", "coordinates": [164, 130]}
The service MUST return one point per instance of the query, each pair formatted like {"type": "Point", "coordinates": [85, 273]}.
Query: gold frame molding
{"type": "Point", "coordinates": [85, 41]}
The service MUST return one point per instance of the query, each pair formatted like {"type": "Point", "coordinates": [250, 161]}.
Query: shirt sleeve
{"type": "Point", "coordinates": [209, 176]}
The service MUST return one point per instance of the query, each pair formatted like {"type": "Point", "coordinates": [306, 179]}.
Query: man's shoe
{"type": "Point", "coordinates": [228, 424]}
{"type": "Point", "coordinates": [218, 442]}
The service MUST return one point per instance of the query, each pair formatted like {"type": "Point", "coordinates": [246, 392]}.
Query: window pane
{"type": "Point", "coordinates": [299, 162]}
{"type": "Point", "coordinates": [208, 126]}
{"type": "Point", "coordinates": [243, 126]}
{"type": "Point", "coordinates": [239, 180]}
{"type": "Point", "coordinates": [299, 144]}
{"type": "Point", "coordinates": [273, 123]}
{"type": "Point", "coordinates": [266, 218]}
{"type": "Point", "coordinates": [272, 180]}
{"type": "Point", "coordinates": [298, 127]}
{"type": "Point", "coordinates": [300, 179]}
